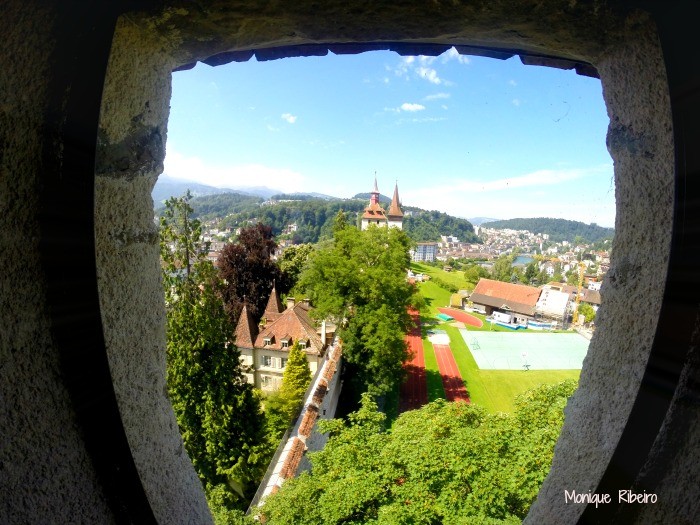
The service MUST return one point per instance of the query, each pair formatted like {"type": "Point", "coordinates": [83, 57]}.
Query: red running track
{"type": "Point", "coordinates": [414, 391]}
{"type": "Point", "coordinates": [451, 378]}
{"type": "Point", "coordinates": [462, 317]}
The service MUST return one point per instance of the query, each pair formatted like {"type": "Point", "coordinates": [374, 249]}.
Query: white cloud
{"type": "Point", "coordinates": [272, 128]}
{"type": "Point", "coordinates": [518, 196]}
{"type": "Point", "coordinates": [453, 54]}
{"type": "Point", "coordinates": [230, 175]}
{"type": "Point", "coordinates": [429, 74]}
{"type": "Point", "coordinates": [288, 117]}
{"type": "Point", "coordinates": [516, 102]}
{"type": "Point", "coordinates": [443, 106]}
{"type": "Point", "coordinates": [512, 82]}
{"type": "Point", "coordinates": [407, 106]}
{"type": "Point", "coordinates": [437, 96]}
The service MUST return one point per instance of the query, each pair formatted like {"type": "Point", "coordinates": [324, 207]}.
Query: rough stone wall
{"type": "Point", "coordinates": [45, 472]}
{"type": "Point", "coordinates": [130, 155]}
{"type": "Point", "coordinates": [43, 463]}
{"type": "Point", "coordinates": [641, 144]}
{"type": "Point", "coordinates": [629, 61]}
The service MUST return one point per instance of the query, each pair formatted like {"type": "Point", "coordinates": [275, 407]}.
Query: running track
{"type": "Point", "coordinates": [462, 317]}
{"type": "Point", "coordinates": [451, 378]}
{"type": "Point", "coordinates": [414, 391]}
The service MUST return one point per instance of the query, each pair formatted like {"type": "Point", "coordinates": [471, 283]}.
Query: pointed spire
{"type": "Point", "coordinates": [274, 306]}
{"type": "Point", "coordinates": [246, 330]}
{"type": "Point", "coordinates": [395, 208]}
{"type": "Point", "coordinates": [375, 183]}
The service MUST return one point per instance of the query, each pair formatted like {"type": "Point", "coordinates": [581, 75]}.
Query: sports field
{"type": "Point", "coordinates": [526, 351]}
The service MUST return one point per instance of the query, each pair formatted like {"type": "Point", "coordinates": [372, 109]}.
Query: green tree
{"type": "Point", "coordinates": [502, 269]}
{"type": "Point", "coordinates": [531, 272]}
{"type": "Point", "coordinates": [218, 415]}
{"type": "Point", "coordinates": [292, 262]}
{"type": "Point", "coordinates": [359, 280]}
{"type": "Point", "coordinates": [297, 374]}
{"type": "Point", "coordinates": [283, 406]}
{"type": "Point", "coordinates": [444, 463]}
{"type": "Point", "coordinates": [474, 272]}
{"type": "Point", "coordinates": [587, 311]}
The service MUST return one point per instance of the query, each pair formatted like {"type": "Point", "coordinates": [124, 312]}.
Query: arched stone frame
{"type": "Point", "coordinates": [626, 54]}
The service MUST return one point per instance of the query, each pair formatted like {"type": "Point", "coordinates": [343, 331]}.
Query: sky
{"type": "Point", "coordinates": [469, 136]}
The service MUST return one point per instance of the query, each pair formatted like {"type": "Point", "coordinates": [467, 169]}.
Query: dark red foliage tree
{"type": "Point", "coordinates": [249, 271]}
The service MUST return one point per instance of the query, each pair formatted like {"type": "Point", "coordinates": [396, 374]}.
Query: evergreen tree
{"type": "Point", "coordinates": [297, 374]}
{"type": "Point", "coordinates": [283, 406]}
{"type": "Point", "coordinates": [218, 415]}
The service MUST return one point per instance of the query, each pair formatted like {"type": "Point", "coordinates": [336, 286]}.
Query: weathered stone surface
{"type": "Point", "coordinates": [44, 467]}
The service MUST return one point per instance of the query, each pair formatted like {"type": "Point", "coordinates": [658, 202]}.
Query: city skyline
{"type": "Point", "coordinates": [468, 136]}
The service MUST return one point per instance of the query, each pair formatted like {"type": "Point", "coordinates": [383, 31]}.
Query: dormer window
{"type": "Point", "coordinates": [285, 341]}
{"type": "Point", "coordinates": [303, 344]}
{"type": "Point", "coordinates": [267, 340]}
{"type": "Point", "coordinates": [285, 344]}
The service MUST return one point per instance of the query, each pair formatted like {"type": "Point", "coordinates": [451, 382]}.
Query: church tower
{"type": "Point", "coordinates": [374, 213]}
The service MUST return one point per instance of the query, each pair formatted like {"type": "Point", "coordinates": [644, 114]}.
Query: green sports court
{"type": "Point", "coordinates": [533, 351]}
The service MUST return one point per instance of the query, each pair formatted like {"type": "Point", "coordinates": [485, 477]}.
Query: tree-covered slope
{"type": "Point", "coordinates": [313, 216]}
{"type": "Point", "coordinates": [557, 229]}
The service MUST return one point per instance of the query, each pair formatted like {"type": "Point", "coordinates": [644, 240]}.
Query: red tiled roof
{"type": "Point", "coordinates": [274, 307]}
{"type": "Point", "coordinates": [294, 323]}
{"type": "Point", "coordinates": [246, 330]}
{"type": "Point", "coordinates": [517, 297]}
{"type": "Point", "coordinates": [307, 422]}
{"type": "Point", "coordinates": [374, 211]}
{"type": "Point", "coordinates": [291, 463]}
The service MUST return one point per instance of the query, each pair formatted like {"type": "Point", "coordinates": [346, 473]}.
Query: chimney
{"type": "Point", "coordinates": [290, 302]}
{"type": "Point", "coordinates": [306, 302]}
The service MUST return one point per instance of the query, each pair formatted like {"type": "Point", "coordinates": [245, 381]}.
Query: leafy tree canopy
{"type": "Point", "coordinates": [249, 272]}
{"type": "Point", "coordinates": [359, 280]}
{"type": "Point", "coordinates": [444, 463]}
{"type": "Point", "coordinates": [218, 415]}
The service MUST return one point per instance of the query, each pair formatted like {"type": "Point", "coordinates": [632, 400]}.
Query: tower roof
{"type": "Point", "coordinates": [246, 330]}
{"type": "Point", "coordinates": [395, 208]}
{"type": "Point", "coordinates": [274, 307]}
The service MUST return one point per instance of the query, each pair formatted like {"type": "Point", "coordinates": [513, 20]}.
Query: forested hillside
{"type": "Point", "coordinates": [557, 229]}
{"type": "Point", "coordinates": [314, 216]}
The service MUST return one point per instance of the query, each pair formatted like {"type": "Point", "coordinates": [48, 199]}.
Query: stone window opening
{"type": "Point", "coordinates": [134, 117]}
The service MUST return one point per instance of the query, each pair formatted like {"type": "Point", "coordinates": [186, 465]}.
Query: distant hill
{"type": "Point", "coordinates": [300, 196]}
{"type": "Point", "coordinates": [478, 221]}
{"type": "Point", "coordinates": [167, 187]}
{"type": "Point", "coordinates": [313, 216]}
{"type": "Point", "coordinates": [557, 229]}
{"type": "Point", "coordinates": [365, 197]}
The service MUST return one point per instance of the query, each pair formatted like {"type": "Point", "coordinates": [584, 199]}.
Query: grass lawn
{"type": "Point", "coordinates": [455, 278]}
{"type": "Point", "coordinates": [432, 373]}
{"type": "Point", "coordinates": [495, 390]}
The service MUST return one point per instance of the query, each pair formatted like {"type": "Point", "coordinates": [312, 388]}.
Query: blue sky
{"type": "Point", "coordinates": [469, 136]}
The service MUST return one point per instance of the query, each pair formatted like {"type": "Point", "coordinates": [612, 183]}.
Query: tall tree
{"type": "Point", "coordinates": [218, 415]}
{"type": "Point", "coordinates": [283, 406]}
{"type": "Point", "coordinates": [249, 272]}
{"type": "Point", "coordinates": [359, 280]}
{"type": "Point", "coordinates": [292, 262]}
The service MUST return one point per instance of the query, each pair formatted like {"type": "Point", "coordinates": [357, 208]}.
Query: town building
{"type": "Point", "coordinates": [424, 252]}
{"type": "Point", "coordinates": [375, 214]}
{"type": "Point", "coordinates": [264, 347]}
{"type": "Point", "coordinates": [517, 301]}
